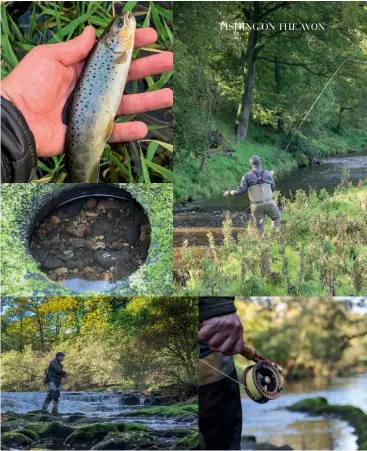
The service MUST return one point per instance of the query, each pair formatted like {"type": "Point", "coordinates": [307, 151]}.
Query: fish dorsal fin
{"type": "Point", "coordinates": [66, 111]}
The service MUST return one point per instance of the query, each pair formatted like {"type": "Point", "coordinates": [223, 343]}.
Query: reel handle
{"type": "Point", "coordinates": [251, 354]}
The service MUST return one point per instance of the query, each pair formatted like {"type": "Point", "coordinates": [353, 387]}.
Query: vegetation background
{"type": "Point", "coordinates": [239, 93]}
{"type": "Point", "coordinates": [308, 337]}
{"type": "Point", "coordinates": [110, 343]}
{"type": "Point", "coordinates": [25, 25]}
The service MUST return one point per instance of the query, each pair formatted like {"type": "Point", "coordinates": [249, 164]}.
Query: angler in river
{"type": "Point", "coordinates": [34, 94]}
{"type": "Point", "coordinates": [53, 377]}
{"type": "Point", "coordinates": [260, 186]}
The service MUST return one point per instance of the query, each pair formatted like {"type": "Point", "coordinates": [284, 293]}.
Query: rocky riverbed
{"type": "Point", "coordinates": [129, 430]}
{"type": "Point", "coordinates": [92, 239]}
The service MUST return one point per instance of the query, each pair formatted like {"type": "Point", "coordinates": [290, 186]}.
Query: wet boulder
{"type": "Point", "coordinates": [89, 435]}
{"type": "Point", "coordinates": [57, 429]}
{"type": "Point", "coordinates": [15, 440]}
{"type": "Point", "coordinates": [107, 259]}
{"type": "Point", "coordinates": [129, 440]}
{"type": "Point", "coordinates": [103, 225]}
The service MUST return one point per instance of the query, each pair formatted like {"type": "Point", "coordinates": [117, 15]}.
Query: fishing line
{"type": "Point", "coordinates": [221, 372]}
{"type": "Point", "coordinates": [318, 97]}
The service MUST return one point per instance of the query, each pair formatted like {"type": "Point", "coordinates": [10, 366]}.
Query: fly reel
{"type": "Point", "coordinates": [262, 381]}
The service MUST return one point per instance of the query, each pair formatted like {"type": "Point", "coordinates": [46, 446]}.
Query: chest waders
{"type": "Point", "coordinates": [260, 193]}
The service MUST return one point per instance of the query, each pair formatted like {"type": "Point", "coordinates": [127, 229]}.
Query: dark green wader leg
{"type": "Point", "coordinates": [53, 394]}
{"type": "Point", "coordinates": [220, 410]}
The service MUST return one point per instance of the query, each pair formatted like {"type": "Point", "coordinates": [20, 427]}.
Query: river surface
{"type": "Point", "coordinates": [272, 423]}
{"type": "Point", "coordinates": [101, 404]}
{"type": "Point", "coordinates": [326, 175]}
{"type": "Point", "coordinates": [194, 220]}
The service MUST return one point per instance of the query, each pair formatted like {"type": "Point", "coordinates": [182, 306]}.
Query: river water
{"type": "Point", "coordinates": [326, 175]}
{"type": "Point", "coordinates": [272, 423]}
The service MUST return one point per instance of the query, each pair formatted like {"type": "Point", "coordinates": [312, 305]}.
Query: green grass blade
{"type": "Point", "coordinates": [158, 23]}
{"type": "Point", "coordinates": [8, 52]}
{"type": "Point", "coordinates": [152, 148]}
{"type": "Point", "coordinates": [145, 173]}
{"type": "Point", "coordinates": [167, 173]}
{"type": "Point", "coordinates": [129, 6]}
{"type": "Point", "coordinates": [146, 22]}
{"type": "Point", "coordinates": [169, 33]}
{"type": "Point", "coordinates": [161, 82]}
{"type": "Point", "coordinates": [166, 13]}
{"type": "Point", "coordinates": [69, 29]}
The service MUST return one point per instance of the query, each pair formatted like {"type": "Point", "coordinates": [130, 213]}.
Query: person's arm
{"type": "Point", "coordinates": [18, 148]}
{"type": "Point", "coordinates": [221, 328]}
{"type": "Point", "coordinates": [239, 190]}
{"type": "Point", "coordinates": [272, 182]}
{"type": "Point", "coordinates": [55, 367]}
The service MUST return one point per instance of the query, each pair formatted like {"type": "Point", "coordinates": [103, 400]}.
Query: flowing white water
{"type": "Point", "coordinates": [102, 404]}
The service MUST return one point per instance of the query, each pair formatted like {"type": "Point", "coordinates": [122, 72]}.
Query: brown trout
{"type": "Point", "coordinates": [91, 110]}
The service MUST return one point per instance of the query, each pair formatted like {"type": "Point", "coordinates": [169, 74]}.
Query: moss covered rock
{"type": "Point", "coordinates": [29, 433]}
{"type": "Point", "coordinates": [14, 439]}
{"type": "Point", "coordinates": [189, 442]}
{"type": "Point", "coordinates": [129, 441]}
{"type": "Point", "coordinates": [92, 433]}
{"type": "Point", "coordinates": [353, 415]}
{"type": "Point", "coordinates": [57, 429]}
{"type": "Point", "coordinates": [21, 275]}
{"type": "Point", "coordinates": [181, 412]}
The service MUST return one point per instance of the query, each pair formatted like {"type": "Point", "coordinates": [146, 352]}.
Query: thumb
{"type": "Point", "coordinates": [75, 50]}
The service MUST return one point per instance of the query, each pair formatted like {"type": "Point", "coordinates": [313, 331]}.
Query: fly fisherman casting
{"type": "Point", "coordinates": [53, 377]}
{"type": "Point", "coordinates": [259, 184]}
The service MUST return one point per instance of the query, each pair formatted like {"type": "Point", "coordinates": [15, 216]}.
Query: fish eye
{"type": "Point", "coordinates": [119, 23]}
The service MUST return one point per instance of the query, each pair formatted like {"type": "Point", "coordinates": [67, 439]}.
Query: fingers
{"type": "Point", "coordinates": [149, 65]}
{"type": "Point", "coordinates": [145, 36]}
{"type": "Point", "coordinates": [130, 131]}
{"type": "Point", "coordinates": [148, 101]}
{"type": "Point", "coordinates": [73, 51]}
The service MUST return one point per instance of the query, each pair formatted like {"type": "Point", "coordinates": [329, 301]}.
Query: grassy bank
{"type": "Point", "coordinates": [354, 416]}
{"type": "Point", "coordinates": [222, 172]}
{"type": "Point", "coordinates": [320, 250]}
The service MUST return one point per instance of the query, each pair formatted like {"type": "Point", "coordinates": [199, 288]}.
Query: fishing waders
{"type": "Point", "coordinates": [263, 204]}
{"type": "Point", "coordinates": [53, 394]}
{"type": "Point", "coordinates": [220, 412]}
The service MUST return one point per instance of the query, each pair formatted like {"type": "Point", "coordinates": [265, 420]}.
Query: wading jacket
{"type": "Point", "coordinates": [55, 371]}
{"type": "Point", "coordinates": [18, 147]}
{"type": "Point", "coordinates": [251, 179]}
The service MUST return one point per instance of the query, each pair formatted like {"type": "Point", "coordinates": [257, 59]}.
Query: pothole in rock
{"type": "Point", "coordinates": [92, 244]}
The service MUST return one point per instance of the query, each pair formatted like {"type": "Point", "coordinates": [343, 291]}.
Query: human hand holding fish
{"type": "Point", "coordinates": [41, 83]}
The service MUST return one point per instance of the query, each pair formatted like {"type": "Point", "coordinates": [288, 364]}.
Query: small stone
{"type": "Point", "coordinates": [100, 237]}
{"type": "Point", "coordinates": [132, 234]}
{"type": "Point", "coordinates": [74, 231]}
{"type": "Point", "coordinates": [55, 219]}
{"type": "Point", "coordinates": [115, 244]}
{"type": "Point", "coordinates": [91, 202]}
{"type": "Point", "coordinates": [92, 214]}
{"type": "Point", "coordinates": [76, 270]}
{"type": "Point", "coordinates": [88, 269]}
{"type": "Point", "coordinates": [108, 259]}
{"type": "Point", "coordinates": [51, 263]}
{"type": "Point", "coordinates": [106, 276]}
{"type": "Point", "coordinates": [103, 225]}
{"type": "Point", "coordinates": [71, 264]}
{"type": "Point", "coordinates": [112, 238]}
{"type": "Point", "coordinates": [61, 271]}
{"type": "Point", "coordinates": [77, 242]}
{"type": "Point", "coordinates": [126, 244]}
{"type": "Point", "coordinates": [112, 268]}
{"type": "Point", "coordinates": [80, 265]}
{"type": "Point", "coordinates": [82, 227]}
{"type": "Point", "coordinates": [69, 253]}
{"type": "Point", "coordinates": [106, 204]}
{"type": "Point", "coordinates": [75, 223]}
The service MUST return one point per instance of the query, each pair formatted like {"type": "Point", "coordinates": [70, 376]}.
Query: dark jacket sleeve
{"type": "Point", "coordinates": [18, 147]}
{"type": "Point", "coordinates": [209, 307]}
{"type": "Point", "coordinates": [57, 368]}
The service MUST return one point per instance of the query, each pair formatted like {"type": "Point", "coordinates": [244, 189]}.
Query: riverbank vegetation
{"type": "Point", "coordinates": [247, 92]}
{"type": "Point", "coordinates": [321, 249]}
{"type": "Point", "coordinates": [110, 343]}
{"type": "Point", "coordinates": [309, 337]}
{"type": "Point", "coordinates": [28, 24]}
